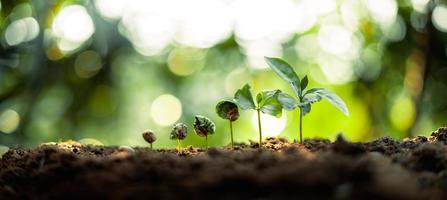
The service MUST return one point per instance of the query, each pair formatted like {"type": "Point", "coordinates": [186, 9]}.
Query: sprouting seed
{"type": "Point", "coordinates": [228, 110]}
{"type": "Point", "coordinates": [179, 132]}
{"type": "Point", "coordinates": [150, 137]}
{"type": "Point", "coordinates": [204, 127]}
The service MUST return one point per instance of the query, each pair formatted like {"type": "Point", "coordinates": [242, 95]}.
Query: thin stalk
{"type": "Point", "coordinates": [231, 129]}
{"type": "Point", "coordinates": [151, 146]}
{"type": "Point", "coordinates": [259, 127]}
{"type": "Point", "coordinates": [206, 142]}
{"type": "Point", "coordinates": [179, 146]}
{"type": "Point", "coordinates": [301, 125]}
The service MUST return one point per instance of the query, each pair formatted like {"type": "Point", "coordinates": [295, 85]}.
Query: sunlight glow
{"type": "Point", "coordinates": [112, 9]}
{"type": "Point", "coordinates": [334, 39]}
{"type": "Point", "coordinates": [271, 126]}
{"type": "Point", "coordinates": [166, 110]}
{"type": "Point", "coordinates": [204, 23]}
{"type": "Point", "coordinates": [383, 12]}
{"type": "Point", "coordinates": [72, 26]}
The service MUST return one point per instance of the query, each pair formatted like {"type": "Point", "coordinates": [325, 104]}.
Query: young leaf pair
{"type": "Point", "coordinates": [203, 127]}
{"type": "Point", "coordinates": [306, 97]}
{"type": "Point", "coordinates": [266, 102]}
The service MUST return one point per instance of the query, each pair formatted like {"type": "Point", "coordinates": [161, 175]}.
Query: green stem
{"type": "Point", "coordinates": [151, 146]}
{"type": "Point", "coordinates": [301, 125]}
{"type": "Point", "coordinates": [179, 146]}
{"type": "Point", "coordinates": [231, 129]}
{"type": "Point", "coordinates": [259, 127]}
{"type": "Point", "coordinates": [206, 142]}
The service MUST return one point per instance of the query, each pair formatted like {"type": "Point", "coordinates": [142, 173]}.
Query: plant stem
{"type": "Point", "coordinates": [231, 129]}
{"type": "Point", "coordinates": [206, 142]}
{"type": "Point", "coordinates": [151, 146]}
{"type": "Point", "coordinates": [301, 125]}
{"type": "Point", "coordinates": [259, 127]}
{"type": "Point", "coordinates": [179, 146]}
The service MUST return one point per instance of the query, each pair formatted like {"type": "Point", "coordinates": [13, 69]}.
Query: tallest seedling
{"type": "Point", "coordinates": [305, 97]}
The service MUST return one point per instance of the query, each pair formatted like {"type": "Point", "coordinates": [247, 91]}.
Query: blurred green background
{"type": "Point", "coordinates": [106, 70]}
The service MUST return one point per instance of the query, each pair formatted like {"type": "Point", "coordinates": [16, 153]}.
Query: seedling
{"type": "Point", "coordinates": [266, 102]}
{"type": "Point", "coordinates": [305, 97]}
{"type": "Point", "coordinates": [228, 110]}
{"type": "Point", "coordinates": [149, 136]}
{"type": "Point", "coordinates": [204, 127]}
{"type": "Point", "coordinates": [179, 132]}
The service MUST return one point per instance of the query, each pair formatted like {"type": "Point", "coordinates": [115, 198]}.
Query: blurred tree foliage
{"type": "Point", "coordinates": [108, 70]}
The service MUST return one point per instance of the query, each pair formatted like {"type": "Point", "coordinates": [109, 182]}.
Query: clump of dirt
{"type": "Point", "coordinates": [385, 168]}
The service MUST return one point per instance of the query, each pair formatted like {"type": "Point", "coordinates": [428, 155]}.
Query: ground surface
{"type": "Point", "coordinates": [380, 169]}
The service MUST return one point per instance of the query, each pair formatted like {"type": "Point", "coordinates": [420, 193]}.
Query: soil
{"type": "Point", "coordinates": [318, 169]}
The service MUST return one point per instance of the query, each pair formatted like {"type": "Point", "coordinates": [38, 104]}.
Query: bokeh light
{"type": "Point", "coordinates": [22, 30]}
{"type": "Point", "coordinates": [9, 121]}
{"type": "Point", "coordinates": [72, 27]}
{"type": "Point", "coordinates": [271, 126]}
{"type": "Point", "coordinates": [439, 17]}
{"type": "Point", "coordinates": [166, 109]}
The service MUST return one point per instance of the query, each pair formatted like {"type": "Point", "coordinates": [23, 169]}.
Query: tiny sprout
{"type": "Point", "coordinates": [150, 137]}
{"type": "Point", "coordinates": [179, 132]}
{"type": "Point", "coordinates": [228, 110]}
{"type": "Point", "coordinates": [204, 127]}
{"type": "Point", "coordinates": [266, 102]}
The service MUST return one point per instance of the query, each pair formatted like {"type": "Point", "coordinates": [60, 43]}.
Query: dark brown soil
{"type": "Point", "coordinates": [319, 169]}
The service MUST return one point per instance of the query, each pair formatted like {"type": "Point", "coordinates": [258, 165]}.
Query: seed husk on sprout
{"type": "Point", "coordinates": [179, 132]}
{"type": "Point", "coordinates": [150, 137]}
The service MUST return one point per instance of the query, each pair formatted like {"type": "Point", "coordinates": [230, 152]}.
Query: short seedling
{"type": "Point", "coordinates": [179, 132]}
{"type": "Point", "coordinates": [305, 97]}
{"type": "Point", "coordinates": [150, 137]}
{"type": "Point", "coordinates": [204, 127]}
{"type": "Point", "coordinates": [266, 102]}
{"type": "Point", "coordinates": [228, 110]}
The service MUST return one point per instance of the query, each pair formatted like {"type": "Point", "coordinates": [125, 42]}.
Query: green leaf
{"type": "Point", "coordinates": [286, 72]}
{"type": "Point", "coordinates": [305, 108]}
{"type": "Point", "coordinates": [332, 98]}
{"type": "Point", "coordinates": [304, 83]}
{"type": "Point", "coordinates": [268, 103]}
{"type": "Point", "coordinates": [227, 110]}
{"type": "Point", "coordinates": [204, 126]}
{"type": "Point", "coordinates": [287, 101]}
{"type": "Point", "coordinates": [244, 98]}
{"type": "Point", "coordinates": [311, 98]}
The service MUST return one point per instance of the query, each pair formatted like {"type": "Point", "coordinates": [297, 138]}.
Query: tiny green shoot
{"type": "Point", "coordinates": [204, 127]}
{"type": "Point", "coordinates": [150, 137]}
{"type": "Point", "coordinates": [228, 110]}
{"type": "Point", "coordinates": [306, 97]}
{"type": "Point", "coordinates": [179, 132]}
{"type": "Point", "coordinates": [266, 102]}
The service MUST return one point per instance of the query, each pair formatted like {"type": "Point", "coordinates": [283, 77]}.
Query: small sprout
{"type": "Point", "coordinates": [228, 110]}
{"type": "Point", "coordinates": [150, 137]}
{"type": "Point", "coordinates": [204, 127]}
{"type": "Point", "coordinates": [305, 97]}
{"type": "Point", "coordinates": [266, 102]}
{"type": "Point", "coordinates": [179, 132]}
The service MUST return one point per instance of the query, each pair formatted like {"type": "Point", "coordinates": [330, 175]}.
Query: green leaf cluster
{"type": "Point", "coordinates": [266, 101]}
{"type": "Point", "coordinates": [305, 97]}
